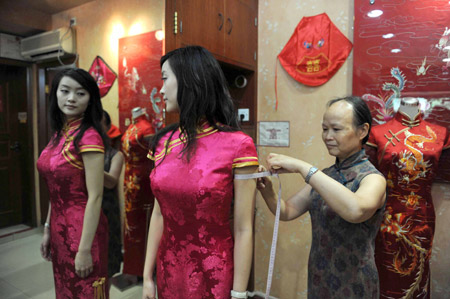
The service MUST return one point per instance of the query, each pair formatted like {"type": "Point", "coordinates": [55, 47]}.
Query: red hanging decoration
{"type": "Point", "coordinates": [315, 51]}
{"type": "Point", "coordinates": [103, 74]}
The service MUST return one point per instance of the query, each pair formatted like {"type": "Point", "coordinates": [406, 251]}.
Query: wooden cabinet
{"type": "Point", "coordinates": [241, 31]}
{"type": "Point", "coordinates": [228, 29]}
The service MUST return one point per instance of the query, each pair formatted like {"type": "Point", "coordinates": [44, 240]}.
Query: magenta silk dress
{"type": "Point", "coordinates": [195, 255]}
{"type": "Point", "coordinates": [62, 168]}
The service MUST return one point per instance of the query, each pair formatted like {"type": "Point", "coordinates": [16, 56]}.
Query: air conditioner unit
{"type": "Point", "coordinates": [49, 44]}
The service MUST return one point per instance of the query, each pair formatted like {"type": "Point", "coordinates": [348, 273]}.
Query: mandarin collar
{"type": "Point", "coordinates": [354, 159]}
{"type": "Point", "coordinates": [139, 118]}
{"type": "Point", "coordinates": [406, 121]}
{"type": "Point", "coordinates": [72, 124]}
{"type": "Point", "coordinates": [204, 126]}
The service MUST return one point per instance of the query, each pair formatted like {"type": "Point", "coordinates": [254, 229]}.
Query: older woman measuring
{"type": "Point", "coordinates": [345, 201]}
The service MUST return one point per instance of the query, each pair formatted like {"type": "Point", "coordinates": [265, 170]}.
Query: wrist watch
{"type": "Point", "coordinates": [311, 171]}
{"type": "Point", "coordinates": [240, 295]}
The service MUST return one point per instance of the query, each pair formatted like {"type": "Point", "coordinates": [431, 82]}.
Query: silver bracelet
{"type": "Point", "coordinates": [240, 295]}
{"type": "Point", "coordinates": [311, 171]}
{"type": "Point", "coordinates": [46, 225]}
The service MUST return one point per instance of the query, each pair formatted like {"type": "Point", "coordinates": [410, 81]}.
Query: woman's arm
{"type": "Point", "coordinates": [353, 207]}
{"type": "Point", "coordinates": [112, 177]}
{"type": "Point", "coordinates": [93, 167]}
{"type": "Point", "coordinates": [290, 209]}
{"type": "Point", "coordinates": [244, 206]}
{"type": "Point", "coordinates": [154, 237]}
{"type": "Point", "coordinates": [45, 244]}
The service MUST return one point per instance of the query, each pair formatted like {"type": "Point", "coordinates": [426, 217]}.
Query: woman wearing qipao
{"type": "Point", "coordinates": [76, 231]}
{"type": "Point", "coordinates": [190, 240]}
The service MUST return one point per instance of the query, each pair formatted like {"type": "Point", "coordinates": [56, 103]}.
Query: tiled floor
{"type": "Point", "coordinates": [24, 274]}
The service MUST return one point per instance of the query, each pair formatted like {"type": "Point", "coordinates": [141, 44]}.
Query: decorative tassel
{"type": "Point", "coordinates": [99, 288]}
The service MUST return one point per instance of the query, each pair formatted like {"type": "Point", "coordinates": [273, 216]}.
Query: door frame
{"type": "Point", "coordinates": [29, 207]}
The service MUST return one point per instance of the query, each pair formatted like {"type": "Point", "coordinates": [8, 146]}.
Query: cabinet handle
{"type": "Point", "coordinates": [221, 21]}
{"type": "Point", "coordinates": [175, 22]}
{"type": "Point", "coordinates": [231, 25]}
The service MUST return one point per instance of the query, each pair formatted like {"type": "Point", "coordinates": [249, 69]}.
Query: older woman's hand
{"type": "Point", "coordinates": [264, 182]}
{"type": "Point", "coordinates": [282, 164]}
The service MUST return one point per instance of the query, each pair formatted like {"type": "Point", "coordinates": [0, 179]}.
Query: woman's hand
{"type": "Point", "coordinates": [45, 245]}
{"type": "Point", "coordinates": [149, 290]}
{"type": "Point", "coordinates": [282, 164]}
{"type": "Point", "coordinates": [264, 182]}
{"type": "Point", "coordinates": [83, 263]}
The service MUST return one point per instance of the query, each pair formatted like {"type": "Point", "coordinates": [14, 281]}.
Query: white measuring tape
{"type": "Point", "coordinates": [273, 248]}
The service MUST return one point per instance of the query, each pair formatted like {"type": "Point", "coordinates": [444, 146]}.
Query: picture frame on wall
{"type": "Point", "coordinates": [274, 133]}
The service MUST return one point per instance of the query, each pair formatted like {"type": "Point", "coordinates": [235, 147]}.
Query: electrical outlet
{"type": "Point", "coordinates": [73, 21]}
{"type": "Point", "coordinates": [244, 114]}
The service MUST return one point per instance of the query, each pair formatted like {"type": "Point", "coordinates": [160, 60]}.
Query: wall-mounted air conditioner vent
{"type": "Point", "coordinates": [49, 44]}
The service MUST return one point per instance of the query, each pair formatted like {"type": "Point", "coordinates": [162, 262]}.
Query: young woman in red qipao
{"type": "Point", "coordinates": [190, 241]}
{"type": "Point", "coordinates": [76, 231]}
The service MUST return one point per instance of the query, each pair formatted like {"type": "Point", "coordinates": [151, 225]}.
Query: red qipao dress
{"type": "Point", "coordinates": [138, 195]}
{"type": "Point", "coordinates": [62, 168]}
{"type": "Point", "coordinates": [195, 254]}
{"type": "Point", "coordinates": [407, 153]}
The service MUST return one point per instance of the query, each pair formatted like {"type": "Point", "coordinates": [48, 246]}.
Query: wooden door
{"type": "Point", "coordinates": [16, 203]}
{"type": "Point", "coordinates": [241, 31]}
{"type": "Point", "coordinates": [201, 23]}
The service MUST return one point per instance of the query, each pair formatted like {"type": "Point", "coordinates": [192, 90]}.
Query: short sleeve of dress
{"type": "Point", "coordinates": [91, 142]}
{"type": "Point", "coordinates": [245, 154]}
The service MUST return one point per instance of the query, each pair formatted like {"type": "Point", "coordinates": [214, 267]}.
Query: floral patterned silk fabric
{"type": "Point", "coordinates": [195, 255]}
{"type": "Point", "coordinates": [341, 261]}
{"type": "Point", "coordinates": [62, 168]}
{"type": "Point", "coordinates": [407, 153]}
{"type": "Point", "coordinates": [138, 195]}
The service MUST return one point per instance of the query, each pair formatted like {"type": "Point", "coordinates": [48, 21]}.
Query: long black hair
{"type": "Point", "coordinates": [361, 112]}
{"type": "Point", "coordinates": [202, 94]}
{"type": "Point", "coordinates": [94, 111]}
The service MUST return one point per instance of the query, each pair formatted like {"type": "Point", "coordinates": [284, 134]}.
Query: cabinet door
{"type": "Point", "coordinates": [241, 31]}
{"type": "Point", "coordinates": [201, 23]}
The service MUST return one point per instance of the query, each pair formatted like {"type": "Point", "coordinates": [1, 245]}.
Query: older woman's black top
{"type": "Point", "coordinates": [341, 262]}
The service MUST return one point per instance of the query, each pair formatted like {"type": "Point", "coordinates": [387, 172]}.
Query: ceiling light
{"type": "Point", "coordinates": [389, 35]}
{"type": "Point", "coordinates": [396, 51]}
{"type": "Point", "coordinates": [375, 13]}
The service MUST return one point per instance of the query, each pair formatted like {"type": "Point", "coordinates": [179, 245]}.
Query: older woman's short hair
{"type": "Point", "coordinates": [361, 112]}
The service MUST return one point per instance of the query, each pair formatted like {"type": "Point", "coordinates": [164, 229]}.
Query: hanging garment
{"type": "Point", "coordinates": [407, 153]}
{"type": "Point", "coordinates": [138, 195]}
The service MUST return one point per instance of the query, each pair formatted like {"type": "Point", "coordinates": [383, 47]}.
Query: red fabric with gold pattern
{"type": "Point", "coordinates": [139, 199]}
{"type": "Point", "coordinates": [407, 153]}
{"type": "Point", "coordinates": [315, 51]}
{"type": "Point", "coordinates": [62, 168]}
{"type": "Point", "coordinates": [103, 75]}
